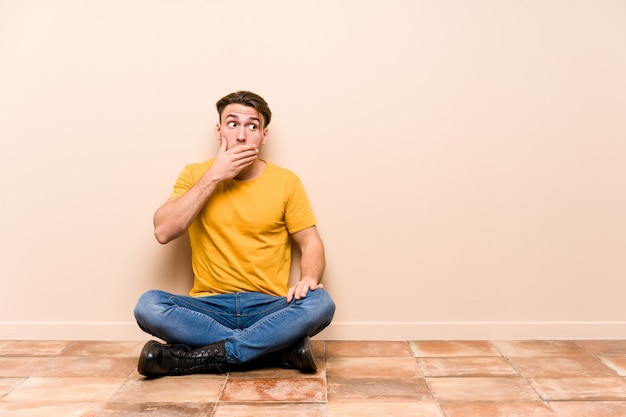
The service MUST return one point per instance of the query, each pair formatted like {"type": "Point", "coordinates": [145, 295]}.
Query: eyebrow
{"type": "Point", "coordinates": [234, 116]}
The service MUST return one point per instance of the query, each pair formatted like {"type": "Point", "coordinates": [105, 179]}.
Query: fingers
{"type": "Point", "coordinates": [300, 290]}
{"type": "Point", "coordinates": [243, 154]}
{"type": "Point", "coordinates": [230, 162]}
{"type": "Point", "coordinates": [247, 151]}
{"type": "Point", "coordinates": [242, 162]}
{"type": "Point", "coordinates": [238, 156]}
{"type": "Point", "coordinates": [238, 150]}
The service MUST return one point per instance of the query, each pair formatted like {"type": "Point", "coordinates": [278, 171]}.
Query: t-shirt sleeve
{"type": "Point", "coordinates": [298, 213]}
{"type": "Point", "coordinates": [183, 183]}
{"type": "Point", "coordinates": [188, 177]}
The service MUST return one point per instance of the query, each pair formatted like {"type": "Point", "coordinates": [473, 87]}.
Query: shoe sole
{"type": "Point", "coordinates": [142, 358]}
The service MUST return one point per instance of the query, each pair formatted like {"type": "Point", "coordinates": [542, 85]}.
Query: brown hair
{"type": "Point", "coordinates": [248, 99]}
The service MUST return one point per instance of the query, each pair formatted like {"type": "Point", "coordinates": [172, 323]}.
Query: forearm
{"type": "Point", "coordinates": [174, 217]}
{"type": "Point", "coordinates": [313, 262]}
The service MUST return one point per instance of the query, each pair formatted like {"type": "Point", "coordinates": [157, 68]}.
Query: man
{"type": "Point", "coordinates": [242, 213]}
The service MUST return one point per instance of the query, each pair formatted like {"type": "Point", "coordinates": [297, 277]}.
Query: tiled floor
{"type": "Point", "coordinates": [426, 379]}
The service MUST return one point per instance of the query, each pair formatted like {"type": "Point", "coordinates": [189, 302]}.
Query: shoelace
{"type": "Point", "coordinates": [199, 361]}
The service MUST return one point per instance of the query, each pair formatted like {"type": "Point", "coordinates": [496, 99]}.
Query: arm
{"type": "Point", "coordinates": [312, 263]}
{"type": "Point", "coordinates": [174, 217]}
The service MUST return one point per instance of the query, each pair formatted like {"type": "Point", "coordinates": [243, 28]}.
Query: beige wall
{"type": "Point", "coordinates": [466, 160]}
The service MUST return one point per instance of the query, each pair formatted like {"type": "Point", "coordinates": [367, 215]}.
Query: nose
{"type": "Point", "coordinates": [241, 134]}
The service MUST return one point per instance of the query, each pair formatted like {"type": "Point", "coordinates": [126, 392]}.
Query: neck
{"type": "Point", "coordinates": [253, 171]}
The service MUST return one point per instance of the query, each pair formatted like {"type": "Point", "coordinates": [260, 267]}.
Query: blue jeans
{"type": "Point", "coordinates": [251, 324]}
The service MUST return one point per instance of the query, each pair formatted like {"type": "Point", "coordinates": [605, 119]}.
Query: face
{"type": "Point", "coordinates": [241, 125]}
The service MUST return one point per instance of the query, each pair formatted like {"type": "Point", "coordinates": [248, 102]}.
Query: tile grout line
{"type": "Point", "coordinates": [122, 385]}
{"type": "Point", "coordinates": [219, 396]}
{"type": "Point", "coordinates": [421, 368]}
{"type": "Point", "coordinates": [325, 382]}
{"type": "Point", "coordinates": [22, 382]}
{"type": "Point", "coordinates": [432, 393]}
{"type": "Point", "coordinates": [598, 359]}
{"type": "Point", "coordinates": [519, 374]}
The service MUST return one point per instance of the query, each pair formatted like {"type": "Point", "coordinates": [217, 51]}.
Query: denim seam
{"type": "Point", "coordinates": [265, 320]}
{"type": "Point", "coordinates": [181, 302]}
{"type": "Point", "coordinates": [194, 312]}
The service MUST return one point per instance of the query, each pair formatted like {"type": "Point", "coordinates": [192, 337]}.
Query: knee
{"type": "Point", "coordinates": [321, 311]}
{"type": "Point", "coordinates": [323, 297]}
{"type": "Point", "coordinates": [149, 304]}
{"type": "Point", "coordinates": [322, 303]}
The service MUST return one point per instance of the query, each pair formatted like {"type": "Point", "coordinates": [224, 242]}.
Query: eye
{"type": "Point", "coordinates": [232, 124]}
{"type": "Point", "coordinates": [252, 127]}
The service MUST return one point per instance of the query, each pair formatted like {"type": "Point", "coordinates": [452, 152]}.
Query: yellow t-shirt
{"type": "Point", "coordinates": [240, 240]}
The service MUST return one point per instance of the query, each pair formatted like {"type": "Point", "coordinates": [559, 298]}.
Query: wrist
{"type": "Point", "coordinates": [310, 280]}
{"type": "Point", "coordinates": [213, 177]}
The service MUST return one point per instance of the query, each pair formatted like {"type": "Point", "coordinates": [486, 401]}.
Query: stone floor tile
{"type": "Point", "coordinates": [538, 348]}
{"type": "Point", "coordinates": [156, 409]}
{"type": "Point", "coordinates": [479, 409]}
{"type": "Point", "coordinates": [65, 389]}
{"type": "Point", "coordinates": [616, 363]}
{"type": "Point", "coordinates": [109, 349]}
{"type": "Point", "coordinates": [561, 366]}
{"type": "Point", "coordinates": [265, 409]}
{"type": "Point", "coordinates": [369, 367]}
{"type": "Point", "coordinates": [280, 372]}
{"type": "Point", "coordinates": [590, 408]}
{"type": "Point", "coordinates": [378, 389]}
{"type": "Point", "coordinates": [274, 389]}
{"type": "Point", "coordinates": [506, 389]}
{"type": "Point", "coordinates": [383, 409]}
{"type": "Point", "coordinates": [9, 384]}
{"type": "Point", "coordinates": [98, 367]}
{"type": "Point", "coordinates": [47, 348]}
{"type": "Point", "coordinates": [604, 347]}
{"type": "Point", "coordinates": [579, 389]}
{"type": "Point", "coordinates": [440, 349]}
{"type": "Point", "coordinates": [136, 375]}
{"type": "Point", "coordinates": [170, 389]}
{"type": "Point", "coordinates": [21, 366]}
{"type": "Point", "coordinates": [33, 408]}
{"type": "Point", "coordinates": [319, 348]}
{"type": "Point", "coordinates": [367, 348]}
{"type": "Point", "coordinates": [467, 366]}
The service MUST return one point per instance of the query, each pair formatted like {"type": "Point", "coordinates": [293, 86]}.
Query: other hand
{"type": "Point", "coordinates": [300, 290]}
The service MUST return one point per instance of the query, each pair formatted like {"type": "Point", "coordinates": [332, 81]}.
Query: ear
{"type": "Point", "coordinates": [265, 134]}
{"type": "Point", "coordinates": [218, 132]}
